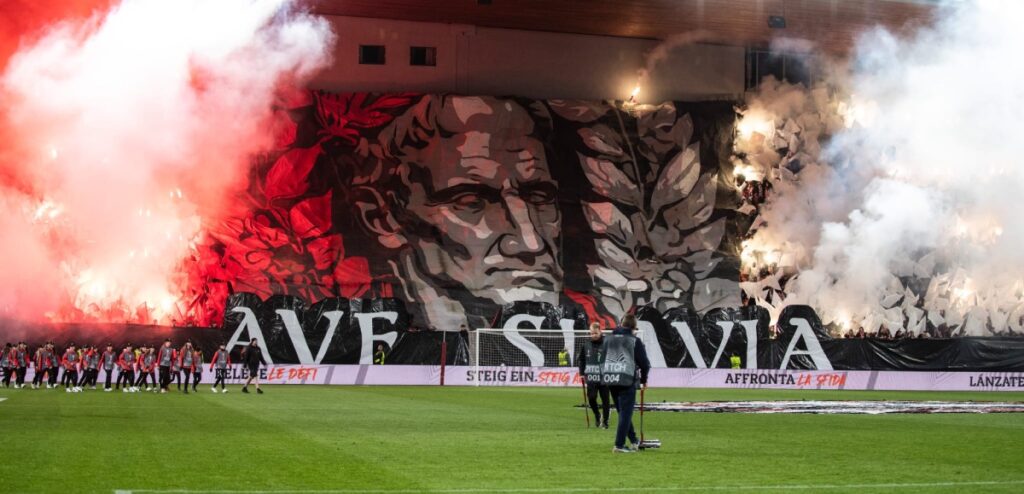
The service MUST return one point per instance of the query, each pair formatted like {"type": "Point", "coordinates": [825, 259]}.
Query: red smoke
{"type": "Point", "coordinates": [122, 139]}
{"type": "Point", "coordinates": [25, 20]}
{"type": "Point", "coordinates": [22, 22]}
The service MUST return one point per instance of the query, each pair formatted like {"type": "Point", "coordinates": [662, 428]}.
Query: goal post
{"type": "Point", "coordinates": [496, 347]}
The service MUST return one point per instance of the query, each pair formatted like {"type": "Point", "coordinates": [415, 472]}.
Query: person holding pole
{"type": "Point", "coordinates": [590, 368]}
{"type": "Point", "coordinates": [624, 368]}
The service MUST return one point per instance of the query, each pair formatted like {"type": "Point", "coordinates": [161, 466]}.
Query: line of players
{"type": "Point", "coordinates": [137, 368]}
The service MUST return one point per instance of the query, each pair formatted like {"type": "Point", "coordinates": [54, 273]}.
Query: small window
{"type": "Point", "coordinates": [423, 55]}
{"type": "Point", "coordinates": [794, 68]}
{"type": "Point", "coordinates": [371, 54]}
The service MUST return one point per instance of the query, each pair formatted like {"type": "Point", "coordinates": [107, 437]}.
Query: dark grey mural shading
{"type": "Point", "coordinates": [458, 206]}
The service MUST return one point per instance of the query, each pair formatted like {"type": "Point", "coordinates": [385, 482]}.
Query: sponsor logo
{"type": "Point", "coordinates": [528, 376]}
{"type": "Point", "coordinates": [796, 380]}
{"type": "Point", "coordinates": [501, 376]}
{"type": "Point", "coordinates": [997, 381]}
{"type": "Point", "coordinates": [284, 373]}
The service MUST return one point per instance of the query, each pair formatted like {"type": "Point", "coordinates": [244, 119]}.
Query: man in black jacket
{"type": "Point", "coordinates": [590, 368]}
{"type": "Point", "coordinates": [252, 357]}
{"type": "Point", "coordinates": [624, 367]}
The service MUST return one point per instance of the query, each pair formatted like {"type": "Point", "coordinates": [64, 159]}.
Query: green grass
{"type": "Point", "coordinates": [413, 439]}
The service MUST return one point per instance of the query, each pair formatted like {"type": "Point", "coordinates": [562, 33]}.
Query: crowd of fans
{"type": "Point", "coordinates": [940, 331]}
{"type": "Point", "coordinates": [883, 334]}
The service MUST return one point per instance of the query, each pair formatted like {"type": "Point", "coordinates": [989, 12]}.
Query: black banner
{"type": "Point", "coordinates": [344, 331]}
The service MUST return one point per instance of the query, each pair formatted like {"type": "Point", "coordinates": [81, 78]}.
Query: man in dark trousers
{"type": "Point", "coordinates": [186, 362]}
{"type": "Point", "coordinates": [54, 364]}
{"type": "Point", "coordinates": [220, 362]}
{"type": "Point", "coordinates": [37, 378]}
{"type": "Point", "coordinates": [164, 359]}
{"type": "Point", "coordinates": [7, 363]}
{"type": "Point", "coordinates": [590, 368]}
{"type": "Point", "coordinates": [126, 364]}
{"type": "Point", "coordinates": [71, 361]}
{"type": "Point", "coordinates": [197, 373]}
{"type": "Point", "coordinates": [624, 367]}
{"type": "Point", "coordinates": [252, 357]}
{"type": "Point", "coordinates": [90, 367]}
{"type": "Point", "coordinates": [108, 361]}
{"type": "Point", "coordinates": [21, 360]}
{"type": "Point", "coordinates": [146, 362]}
{"type": "Point", "coordinates": [46, 363]}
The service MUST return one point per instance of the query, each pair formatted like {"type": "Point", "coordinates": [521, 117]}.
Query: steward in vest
{"type": "Point", "coordinates": [197, 372]}
{"type": "Point", "coordinates": [186, 362]}
{"type": "Point", "coordinates": [624, 367]}
{"type": "Point", "coordinates": [735, 362]}
{"type": "Point", "coordinates": [590, 368]}
{"type": "Point", "coordinates": [108, 360]}
{"type": "Point", "coordinates": [83, 378]}
{"type": "Point", "coordinates": [44, 361]}
{"type": "Point", "coordinates": [176, 368]}
{"type": "Point", "coordinates": [563, 358]}
{"type": "Point", "coordinates": [219, 364]}
{"type": "Point", "coordinates": [37, 359]}
{"type": "Point", "coordinates": [90, 367]}
{"type": "Point", "coordinates": [21, 364]}
{"type": "Point", "coordinates": [70, 361]}
{"type": "Point", "coordinates": [54, 364]}
{"type": "Point", "coordinates": [126, 364]}
{"type": "Point", "coordinates": [379, 356]}
{"type": "Point", "coordinates": [164, 360]}
{"type": "Point", "coordinates": [6, 363]}
{"type": "Point", "coordinates": [147, 368]}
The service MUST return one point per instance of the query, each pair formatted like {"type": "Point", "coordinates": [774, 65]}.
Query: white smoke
{"type": "Point", "coordinates": [924, 184]}
{"type": "Point", "coordinates": [130, 131]}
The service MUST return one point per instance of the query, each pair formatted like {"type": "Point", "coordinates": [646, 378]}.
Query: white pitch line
{"type": "Point", "coordinates": [784, 487]}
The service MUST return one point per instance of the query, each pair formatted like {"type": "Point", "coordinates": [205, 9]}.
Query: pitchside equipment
{"type": "Point", "coordinates": [586, 412]}
{"type": "Point", "coordinates": [644, 442]}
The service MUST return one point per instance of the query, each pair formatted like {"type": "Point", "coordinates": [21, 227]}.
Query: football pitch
{"type": "Point", "coordinates": [491, 440]}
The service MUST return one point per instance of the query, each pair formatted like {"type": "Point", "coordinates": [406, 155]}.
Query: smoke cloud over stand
{"type": "Point", "coordinates": [896, 184]}
{"type": "Point", "coordinates": [128, 132]}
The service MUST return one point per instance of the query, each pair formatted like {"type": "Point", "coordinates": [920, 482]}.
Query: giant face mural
{"type": "Point", "coordinates": [380, 213]}
{"type": "Point", "coordinates": [460, 207]}
{"type": "Point", "coordinates": [465, 196]}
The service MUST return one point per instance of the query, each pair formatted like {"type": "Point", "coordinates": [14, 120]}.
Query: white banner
{"type": "Point", "coordinates": [430, 375]}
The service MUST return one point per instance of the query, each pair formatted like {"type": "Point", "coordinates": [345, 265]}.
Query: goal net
{"type": "Point", "coordinates": [497, 349]}
{"type": "Point", "coordinates": [524, 347]}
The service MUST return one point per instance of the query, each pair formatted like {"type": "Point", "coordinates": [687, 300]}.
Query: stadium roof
{"type": "Point", "coordinates": [830, 24]}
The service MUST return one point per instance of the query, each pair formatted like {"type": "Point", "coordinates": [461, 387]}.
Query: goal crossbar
{"type": "Point", "coordinates": [497, 347]}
